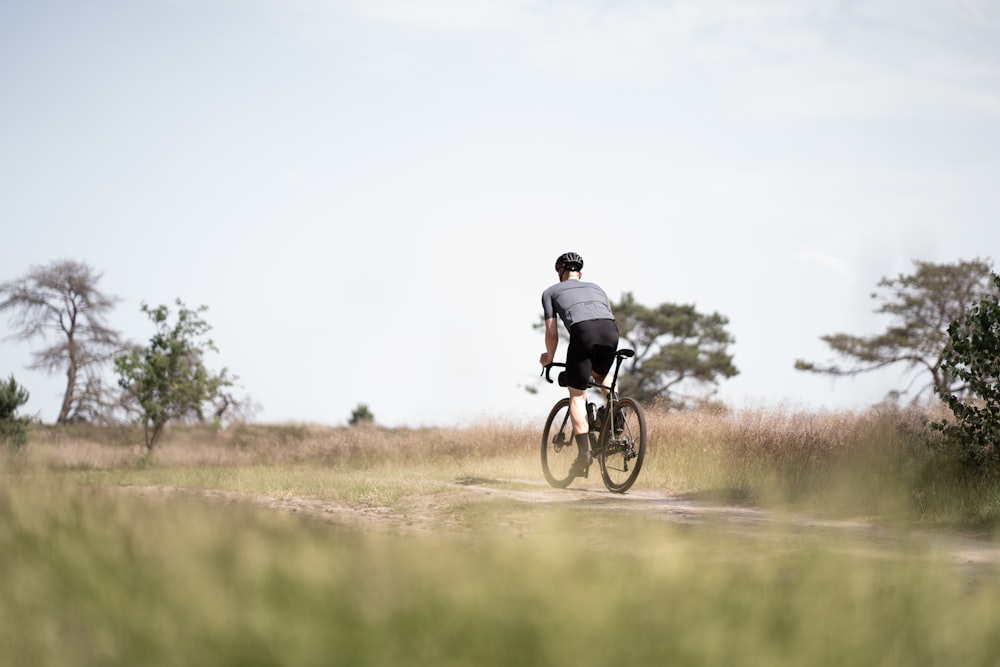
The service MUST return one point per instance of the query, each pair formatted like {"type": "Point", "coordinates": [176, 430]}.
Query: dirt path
{"type": "Point", "coordinates": [754, 522]}
{"type": "Point", "coordinates": [435, 512]}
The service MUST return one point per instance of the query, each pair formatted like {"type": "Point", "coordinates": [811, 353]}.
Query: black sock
{"type": "Point", "coordinates": [583, 443]}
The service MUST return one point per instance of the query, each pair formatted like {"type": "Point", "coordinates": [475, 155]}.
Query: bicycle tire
{"type": "Point", "coordinates": [558, 447]}
{"type": "Point", "coordinates": [622, 446]}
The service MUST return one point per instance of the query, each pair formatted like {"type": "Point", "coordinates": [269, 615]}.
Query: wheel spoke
{"type": "Point", "coordinates": [558, 447]}
{"type": "Point", "coordinates": [625, 446]}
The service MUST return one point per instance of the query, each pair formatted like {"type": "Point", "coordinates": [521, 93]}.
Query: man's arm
{"type": "Point", "coordinates": [551, 341]}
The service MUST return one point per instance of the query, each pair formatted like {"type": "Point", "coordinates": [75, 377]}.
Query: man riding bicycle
{"type": "Point", "coordinates": [586, 312]}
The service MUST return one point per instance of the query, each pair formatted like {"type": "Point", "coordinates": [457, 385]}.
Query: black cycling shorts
{"type": "Point", "coordinates": [592, 347]}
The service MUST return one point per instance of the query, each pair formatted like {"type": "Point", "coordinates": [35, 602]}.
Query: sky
{"type": "Point", "coordinates": [369, 196]}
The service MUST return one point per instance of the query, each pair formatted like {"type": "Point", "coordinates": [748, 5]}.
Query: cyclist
{"type": "Point", "coordinates": [593, 339]}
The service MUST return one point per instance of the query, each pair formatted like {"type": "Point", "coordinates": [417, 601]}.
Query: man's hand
{"type": "Point", "coordinates": [545, 359]}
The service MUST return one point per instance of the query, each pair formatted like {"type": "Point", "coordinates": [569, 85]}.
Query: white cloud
{"type": "Point", "coordinates": [445, 14]}
{"type": "Point", "coordinates": [771, 59]}
{"type": "Point", "coordinates": [950, 18]}
{"type": "Point", "coordinates": [831, 263]}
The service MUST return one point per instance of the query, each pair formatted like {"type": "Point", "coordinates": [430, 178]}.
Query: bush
{"type": "Point", "coordinates": [13, 429]}
{"type": "Point", "coordinates": [974, 358]}
{"type": "Point", "coordinates": [361, 415]}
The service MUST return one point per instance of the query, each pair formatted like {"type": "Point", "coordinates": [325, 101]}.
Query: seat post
{"type": "Point", "coordinates": [614, 378]}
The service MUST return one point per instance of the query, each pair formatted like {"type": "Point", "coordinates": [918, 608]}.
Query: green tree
{"type": "Point", "coordinates": [922, 306]}
{"type": "Point", "coordinates": [361, 415]}
{"type": "Point", "coordinates": [13, 429]}
{"type": "Point", "coordinates": [61, 301]}
{"type": "Point", "coordinates": [168, 380]}
{"type": "Point", "coordinates": [681, 355]}
{"type": "Point", "coordinates": [973, 358]}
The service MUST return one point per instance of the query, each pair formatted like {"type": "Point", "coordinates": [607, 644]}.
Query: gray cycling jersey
{"type": "Point", "coordinates": [576, 301]}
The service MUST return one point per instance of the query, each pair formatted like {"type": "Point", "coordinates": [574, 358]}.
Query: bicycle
{"type": "Point", "coordinates": [621, 429]}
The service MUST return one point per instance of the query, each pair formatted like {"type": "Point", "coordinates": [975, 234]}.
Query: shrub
{"type": "Point", "coordinates": [13, 429]}
{"type": "Point", "coordinates": [973, 356]}
{"type": "Point", "coordinates": [361, 415]}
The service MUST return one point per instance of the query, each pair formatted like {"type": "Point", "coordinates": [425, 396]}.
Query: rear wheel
{"type": "Point", "coordinates": [622, 446]}
{"type": "Point", "coordinates": [558, 447]}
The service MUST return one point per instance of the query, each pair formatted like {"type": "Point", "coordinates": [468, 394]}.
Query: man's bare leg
{"type": "Point", "coordinates": [578, 410]}
{"type": "Point", "coordinates": [605, 382]}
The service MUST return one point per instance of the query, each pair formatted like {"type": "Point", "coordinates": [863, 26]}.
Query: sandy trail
{"type": "Point", "coordinates": [433, 512]}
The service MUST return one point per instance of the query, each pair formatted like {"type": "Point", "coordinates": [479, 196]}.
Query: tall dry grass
{"type": "Point", "coordinates": [790, 451]}
{"type": "Point", "coordinates": [86, 446]}
{"type": "Point", "coordinates": [882, 462]}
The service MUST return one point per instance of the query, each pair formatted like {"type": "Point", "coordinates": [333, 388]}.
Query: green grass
{"type": "Point", "coordinates": [92, 573]}
{"type": "Point", "coordinates": [94, 577]}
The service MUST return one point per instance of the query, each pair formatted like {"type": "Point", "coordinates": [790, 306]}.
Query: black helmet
{"type": "Point", "coordinates": [569, 261]}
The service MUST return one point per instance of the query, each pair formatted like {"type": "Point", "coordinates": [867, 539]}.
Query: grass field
{"type": "Point", "coordinates": [298, 545]}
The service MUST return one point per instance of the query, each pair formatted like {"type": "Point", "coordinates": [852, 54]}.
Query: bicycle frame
{"type": "Point", "coordinates": [620, 356]}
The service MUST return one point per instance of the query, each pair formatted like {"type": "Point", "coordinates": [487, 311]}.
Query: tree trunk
{"type": "Point", "coordinates": [153, 431]}
{"type": "Point", "coordinates": [67, 402]}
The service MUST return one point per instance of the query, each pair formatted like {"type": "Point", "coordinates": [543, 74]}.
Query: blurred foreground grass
{"type": "Point", "coordinates": [89, 576]}
{"type": "Point", "coordinates": [93, 575]}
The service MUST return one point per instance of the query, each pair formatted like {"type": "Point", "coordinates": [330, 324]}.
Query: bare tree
{"type": "Point", "coordinates": [60, 304]}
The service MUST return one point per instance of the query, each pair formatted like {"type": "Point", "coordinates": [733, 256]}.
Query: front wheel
{"type": "Point", "coordinates": [622, 445]}
{"type": "Point", "coordinates": [558, 447]}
